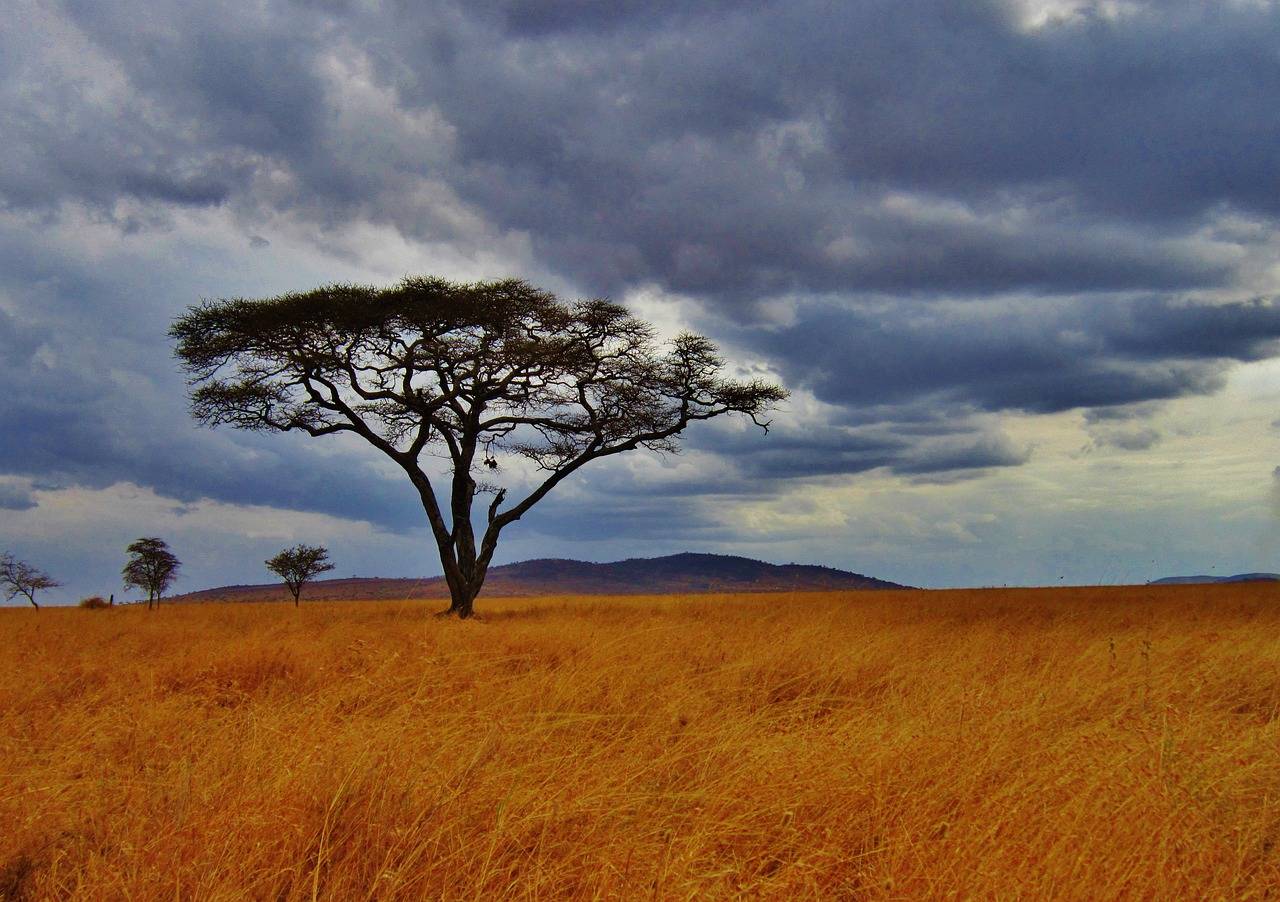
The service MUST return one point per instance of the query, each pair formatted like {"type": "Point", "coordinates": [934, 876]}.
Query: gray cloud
{"type": "Point", "coordinates": [901, 447]}
{"type": "Point", "coordinates": [1033, 355]}
{"type": "Point", "coordinates": [1120, 415]}
{"type": "Point", "coordinates": [15, 497]}
{"type": "Point", "coordinates": [796, 122]}
{"type": "Point", "coordinates": [681, 521]}
{"type": "Point", "coordinates": [1129, 439]}
{"type": "Point", "coordinates": [88, 446]}
{"type": "Point", "coordinates": [871, 147]}
{"type": "Point", "coordinates": [966, 454]}
{"type": "Point", "coordinates": [1122, 428]}
{"type": "Point", "coordinates": [93, 408]}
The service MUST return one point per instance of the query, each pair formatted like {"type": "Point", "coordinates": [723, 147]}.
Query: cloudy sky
{"type": "Point", "coordinates": [1015, 260]}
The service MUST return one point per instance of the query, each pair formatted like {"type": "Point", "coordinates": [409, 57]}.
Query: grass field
{"type": "Point", "coordinates": [1086, 743]}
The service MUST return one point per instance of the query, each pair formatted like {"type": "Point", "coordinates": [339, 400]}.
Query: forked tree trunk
{"type": "Point", "coordinates": [464, 565]}
{"type": "Point", "coordinates": [462, 593]}
{"type": "Point", "coordinates": [462, 601]}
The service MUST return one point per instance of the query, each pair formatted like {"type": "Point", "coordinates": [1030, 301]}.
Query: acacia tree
{"type": "Point", "coordinates": [298, 565]}
{"type": "Point", "coordinates": [481, 374]}
{"type": "Point", "coordinates": [152, 568]}
{"type": "Point", "coordinates": [20, 578]}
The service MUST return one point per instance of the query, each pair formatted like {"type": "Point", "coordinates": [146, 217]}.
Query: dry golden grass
{"type": "Point", "coordinates": [1093, 744]}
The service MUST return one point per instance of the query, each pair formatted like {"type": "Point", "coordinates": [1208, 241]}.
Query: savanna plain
{"type": "Point", "coordinates": [1106, 743]}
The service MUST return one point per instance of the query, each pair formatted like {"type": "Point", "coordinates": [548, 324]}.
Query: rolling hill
{"type": "Point", "coordinates": [1202, 578]}
{"type": "Point", "coordinates": [675, 574]}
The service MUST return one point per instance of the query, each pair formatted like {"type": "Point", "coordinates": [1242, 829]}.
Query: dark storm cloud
{"type": "Point", "coordinates": [1038, 355]}
{"type": "Point", "coordinates": [1156, 329]}
{"type": "Point", "coordinates": [86, 446]}
{"type": "Point", "coordinates": [742, 151]}
{"type": "Point", "coordinates": [111, 409]}
{"type": "Point", "coordinates": [965, 454]}
{"type": "Point", "coordinates": [966, 215]}
{"type": "Point", "coordinates": [716, 149]}
{"type": "Point", "coordinates": [1153, 115]}
{"type": "Point", "coordinates": [178, 107]}
{"type": "Point", "coordinates": [902, 447]}
{"type": "Point", "coordinates": [541, 18]}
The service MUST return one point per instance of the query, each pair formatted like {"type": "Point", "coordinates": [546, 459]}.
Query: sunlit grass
{"type": "Point", "coordinates": [1096, 743]}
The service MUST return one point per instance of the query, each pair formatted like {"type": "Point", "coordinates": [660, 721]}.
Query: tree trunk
{"type": "Point", "coordinates": [464, 579]}
{"type": "Point", "coordinates": [464, 570]}
{"type": "Point", "coordinates": [31, 598]}
{"type": "Point", "coordinates": [464, 606]}
{"type": "Point", "coordinates": [463, 603]}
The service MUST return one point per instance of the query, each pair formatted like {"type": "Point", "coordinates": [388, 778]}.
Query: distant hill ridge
{"type": "Point", "coordinates": [1202, 578]}
{"type": "Point", "coordinates": [677, 573]}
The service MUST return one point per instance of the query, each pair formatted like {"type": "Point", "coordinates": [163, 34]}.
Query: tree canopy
{"type": "Point", "coordinates": [298, 565]}
{"type": "Point", "coordinates": [152, 567]}
{"type": "Point", "coordinates": [483, 374]}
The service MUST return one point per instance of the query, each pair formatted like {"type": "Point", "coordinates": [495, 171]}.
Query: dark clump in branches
{"type": "Point", "coordinates": [485, 373]}
{"type": "Point", "coordinates": [20, 578]}
{"type": "Point", "coordinates": [298, 565]}
{"type": "Point", "coordinates": [152, 568]}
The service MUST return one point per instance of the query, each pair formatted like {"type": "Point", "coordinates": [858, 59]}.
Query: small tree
{"type": "Point", "coordinates": [152, 568]}
{"type": "Point", "coordinates": [484, 373]}
{"type": "Point", "coordinates": [298, 565]}
{"type": "Point", "coordinates": [20, 578]}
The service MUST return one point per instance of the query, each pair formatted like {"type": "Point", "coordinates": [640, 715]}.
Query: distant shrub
{"type": "Point", "coordinates": [94, 602]}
